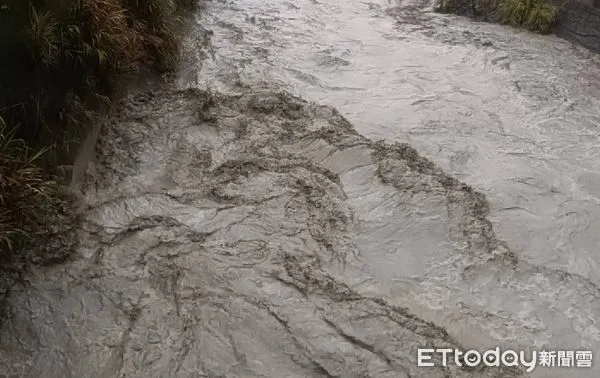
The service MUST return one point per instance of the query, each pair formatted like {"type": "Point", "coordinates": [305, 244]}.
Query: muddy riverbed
{"type": "Point", "coordinates": [230, 228]}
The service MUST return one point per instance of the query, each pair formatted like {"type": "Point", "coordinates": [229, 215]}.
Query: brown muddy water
{"type": "Point", "coordinates": [230, 229]}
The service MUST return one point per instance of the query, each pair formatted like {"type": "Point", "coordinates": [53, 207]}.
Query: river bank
{"type": "Point", "coordinates": [62, 65]}
{"type": "Point", "coordinates": [577, 21]}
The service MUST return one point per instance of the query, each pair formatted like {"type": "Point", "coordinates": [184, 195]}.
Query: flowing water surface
{"type": "Point", "coordinates": [229, 229]}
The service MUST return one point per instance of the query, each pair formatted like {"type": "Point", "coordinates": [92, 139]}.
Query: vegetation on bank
{"type": "Point", "coordinates": [538, 16]}
{"type": "Point", "coordinates": [59, 61]}
{"type": "Point", "coordinates": [26, 195]}
{"type": "Point", "coordinates": [535, 15]}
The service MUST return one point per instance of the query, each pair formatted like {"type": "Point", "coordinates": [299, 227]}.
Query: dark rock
{"type": "Point", "coordinates": [479, 10]}
{"type": "Point", "coordinates": [580, 23]}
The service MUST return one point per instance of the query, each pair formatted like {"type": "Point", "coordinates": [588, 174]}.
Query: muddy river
{"type": "Point", "coordinates": [326, 188]}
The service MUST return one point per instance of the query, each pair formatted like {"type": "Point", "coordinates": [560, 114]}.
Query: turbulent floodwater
{"type": "Point", "coordinates": [232, 230]}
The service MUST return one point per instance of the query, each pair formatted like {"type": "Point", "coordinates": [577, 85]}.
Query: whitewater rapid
{"type": "Point", "coordinates": [229, 228]}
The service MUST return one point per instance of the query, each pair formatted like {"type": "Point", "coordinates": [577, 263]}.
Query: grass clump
{"type": "Point", "coordinates": [25, 193]}
{"type": "Point", "coordinates": [60, 60]}
{"type": "Point", "coordinates": [535, 15]}
{"type": "Point", "coordinates": [60, 55]}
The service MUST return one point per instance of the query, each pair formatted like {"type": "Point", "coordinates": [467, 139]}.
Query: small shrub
{"type": "Point", "coordinates": [535, 15]}
{"type": "Point", "coordinates": [158, 21]}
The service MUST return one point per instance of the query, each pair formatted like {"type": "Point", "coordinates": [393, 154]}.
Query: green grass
{"type": "Point", "coordinates": [535, 15]}
{"type": "Point", "coordinates": [60, 60]}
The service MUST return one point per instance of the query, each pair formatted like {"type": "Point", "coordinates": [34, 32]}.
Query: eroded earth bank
{"type": "Point", "coordinates": [245, 232]}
